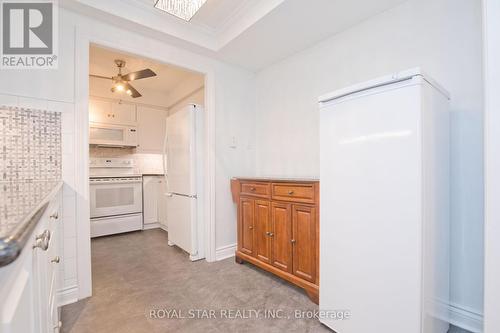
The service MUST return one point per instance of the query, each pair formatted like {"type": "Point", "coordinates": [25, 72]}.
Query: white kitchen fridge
{"type": "Point", "coordinates": [183, 165]}
{"type": "Point", "coordinates": [384, 210]}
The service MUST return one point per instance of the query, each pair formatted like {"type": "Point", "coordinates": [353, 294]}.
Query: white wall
{"type": "Point", "coordinates": [491, 10]}
{"type": "Point", "coordinates": [441, 36]}
{"type": "Point", "coordinates": [57, 89]}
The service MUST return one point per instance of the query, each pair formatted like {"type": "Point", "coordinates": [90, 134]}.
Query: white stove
{"type": "Point", "coordinates": [115, 196]}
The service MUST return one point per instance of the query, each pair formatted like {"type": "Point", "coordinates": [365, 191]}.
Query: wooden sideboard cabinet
{"type": "Point", "coordinates": [278, 228]}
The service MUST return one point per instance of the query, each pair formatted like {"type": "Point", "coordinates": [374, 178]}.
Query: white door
{"type": "Point", "coordinates": [370, 164]}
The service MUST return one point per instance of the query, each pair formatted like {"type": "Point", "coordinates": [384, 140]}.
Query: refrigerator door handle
{"type": "Point", "coordinates": [171, 194]}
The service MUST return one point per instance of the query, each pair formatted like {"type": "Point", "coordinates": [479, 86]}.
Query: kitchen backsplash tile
{"type": "Point", "coordinates": [144, 163]}
{"type": "Point", "coordinates": [30, 145]}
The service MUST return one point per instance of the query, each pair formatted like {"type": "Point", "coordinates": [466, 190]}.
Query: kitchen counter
{"type": "Point", "coordinates": [280, 179]}
{"type": "Point", "coordinates": [21, 206]}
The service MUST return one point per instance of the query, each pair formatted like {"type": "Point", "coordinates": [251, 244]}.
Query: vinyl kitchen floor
{"type": "Point", "coordinates": [138, 272]}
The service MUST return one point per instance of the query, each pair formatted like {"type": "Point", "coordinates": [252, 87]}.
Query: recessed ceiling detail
{"type": "Point", "coordinates": [184, 9]}
{"type": "Point", "coordinates": [250, 33]}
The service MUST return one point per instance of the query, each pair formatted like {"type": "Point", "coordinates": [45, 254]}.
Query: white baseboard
{"type": "Point", "coordinates": [466, 318]}
{"type": "Point", "coordinates": [225, 252]}
{"type": "Point", "coordinates": [148, 226]}
{"type": "Point", "coordinates": [67, 295]}
{"type": "Point", "coordinates": [163, 227]}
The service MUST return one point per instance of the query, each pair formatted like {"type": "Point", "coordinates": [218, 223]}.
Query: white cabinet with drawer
{"type": "Point", "coordinates": [28, 285]}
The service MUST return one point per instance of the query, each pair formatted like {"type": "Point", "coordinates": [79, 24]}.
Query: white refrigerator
{"type": "Point", "coordinates": [182, 163]}
{"type": "Point", "coordinates": [384, 215]}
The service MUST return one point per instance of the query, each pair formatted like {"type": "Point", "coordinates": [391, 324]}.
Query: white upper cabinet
{"type": "Point", "coordinates": [110, 112]}
{"type": "Point", "coordinates": [123, 114]}
{"type": "Point", "coordinates": [151, 125]}
{"type": "Point", "coordinates": [99, 111]}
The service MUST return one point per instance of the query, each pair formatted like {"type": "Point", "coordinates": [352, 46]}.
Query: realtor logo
{"type": "Point", "coordinates": [29, 36]}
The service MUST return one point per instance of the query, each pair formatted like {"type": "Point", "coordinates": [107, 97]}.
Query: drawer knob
{"type": "Point", "coordinates": [270, 234]}
{"type": "Point", "coordinates": [54, 215]}
{"type": "Point", "coordinates": [42, 241]}
{"type": "Point", "coordinates": [252, 189]}
{"type": "Point", "coordinates": [293, 241]}
{"type": "Point", "coordinates": [56, 260]}
{"type": "Point", "coordinates": [290, 192]}
{"type": "Point", "coordinates": [250, 227]}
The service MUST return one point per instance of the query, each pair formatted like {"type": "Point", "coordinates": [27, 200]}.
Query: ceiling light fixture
{"type": "Point", "coordinates": [184, 9]}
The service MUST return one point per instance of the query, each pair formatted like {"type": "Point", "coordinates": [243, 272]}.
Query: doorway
{"type": "Point", "coordinates": [205, 94]}
{"type": "Point", "coordinates": [145, 148]}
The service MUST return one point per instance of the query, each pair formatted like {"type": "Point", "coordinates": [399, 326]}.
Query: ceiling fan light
{"type": "Point", "coordinates": [120, 87]}
{"type": "Point", "coordinates": [129, 92]}
{"type": "Point", "coordinates": [184, 9]}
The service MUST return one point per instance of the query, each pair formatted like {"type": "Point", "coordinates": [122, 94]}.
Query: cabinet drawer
{"type": "Point", "coordinates": [294, 192]}
{"type": "Point", "coordinates": [255, 189]}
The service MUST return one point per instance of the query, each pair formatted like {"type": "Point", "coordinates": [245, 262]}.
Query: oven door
{"type": "Point", "coordinates": [115, 196]}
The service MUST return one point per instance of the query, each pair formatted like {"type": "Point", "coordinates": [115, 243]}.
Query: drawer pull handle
{"type": "Point", "coordinates": [56, 260]}
{"type": "Point", "coordinates": [54, 215]}
{"type": "Point", "coordinates": [252, 189]}
{"type": "Point", "coordinates": [250, 227]}
{"type": "Point", "coordinates": [290, 192]}
{"type": "Point", "coordinates": [270, 234]}
{"type": "Point", "coordinates": [293, 241]}
{"type": "Point", "coordinates": [42, 241]}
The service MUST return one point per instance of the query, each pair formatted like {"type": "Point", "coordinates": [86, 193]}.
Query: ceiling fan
{"type": "Point", "coordinates": [121, 81]}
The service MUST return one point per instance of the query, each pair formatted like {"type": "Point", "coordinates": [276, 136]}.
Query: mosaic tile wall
{"type": "Point", "coordinates": [30, 145]}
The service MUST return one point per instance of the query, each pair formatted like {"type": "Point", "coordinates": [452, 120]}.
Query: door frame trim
{"type": "Point", "coordinates": [491, 54]}
{"type": "Point", "coordinates": [83, 40]}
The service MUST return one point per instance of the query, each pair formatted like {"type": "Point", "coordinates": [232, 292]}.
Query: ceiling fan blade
{"type": "Point", "coordinates": [145, 73]}
{"type": "Point", "coordinates": [101, 77]}
{"type": "Point", "coordinates": [135, 93]}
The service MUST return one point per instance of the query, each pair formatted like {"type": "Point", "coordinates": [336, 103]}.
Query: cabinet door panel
{"type": "Point", "coordinates": [246, 225]}
{"type": "Point", "coordinates": [282, 235]}
{"type": "Point", "coordinates": [151, 125]}
{"type": "Point", "coordinates": [263, 227]}
{"type": "Point", "coordinates": [124, 114]}
{"type": "Point", "coordinates": [150, 188]}
{"type": "Point", "coordinates": [99, 111]}
{"type": "Point", "coordinates": [162, 202]}
{"type": "Point", "coordinates": [304, 242]}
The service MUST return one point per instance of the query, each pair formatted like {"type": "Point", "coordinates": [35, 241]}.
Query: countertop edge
{"type": "Point", "coordinates": [278, 179]}
{"type": "Point", "coordinates": [12, 245]}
